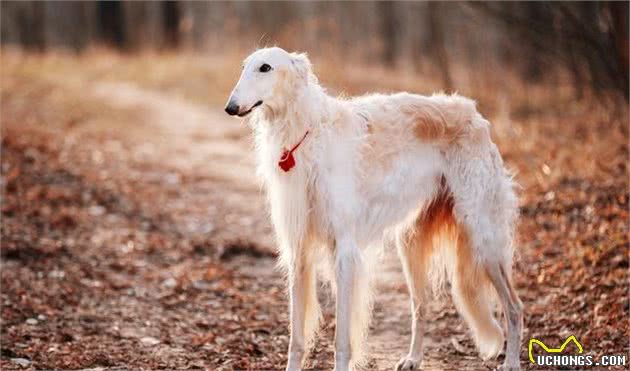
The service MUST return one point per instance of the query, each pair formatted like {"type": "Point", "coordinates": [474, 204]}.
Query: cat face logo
{"type": "Point", "coordinates": [553, 350]}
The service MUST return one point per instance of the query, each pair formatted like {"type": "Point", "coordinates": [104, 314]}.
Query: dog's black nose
{"type": "Point", "coordinates": [231, 109]}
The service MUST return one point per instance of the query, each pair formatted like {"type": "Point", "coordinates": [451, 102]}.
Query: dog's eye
{"type": "Point", "coordinates": [265, 68]}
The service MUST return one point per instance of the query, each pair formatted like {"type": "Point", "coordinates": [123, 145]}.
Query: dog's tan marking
{"type": "Point", "coordinates": [443, 121]}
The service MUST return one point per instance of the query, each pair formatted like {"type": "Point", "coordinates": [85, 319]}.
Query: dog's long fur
{"type": "Point", "coordinates": [421, 167]}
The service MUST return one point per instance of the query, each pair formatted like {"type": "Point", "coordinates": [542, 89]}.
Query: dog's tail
{"type": "Point", "coordinates": [443, 247]}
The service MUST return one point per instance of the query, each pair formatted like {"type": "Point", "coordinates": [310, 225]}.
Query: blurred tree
{"type": "Point", "coordinates": [171, 11]}
{"type": "Point", "coordinates": [111, 27]}
{"type": "Point", "coordinates": [389, 32]}
{"type": "Point", "coordinates": [63, 18]}
{"type": "Point", "coordinates": [437, 45]}
{"type": "Point", "coordinates": [591, 38]}
{"type": "Point", "coordinates": [619, 11]}
{"type": "Point", "coordinates": [536, 39]}
{"type": "Point", "coordinates": [23, 23]}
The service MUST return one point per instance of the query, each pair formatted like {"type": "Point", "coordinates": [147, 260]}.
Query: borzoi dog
{"type": "Point", "coordinates": [341, 174]}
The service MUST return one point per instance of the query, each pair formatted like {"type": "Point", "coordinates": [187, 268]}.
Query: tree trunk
{"type": "Point", "coordinates": [388, 31]}
{"type": "Point", "coordinates": [111, 27]}
{"type": "Point", "coordinates": [619, 13]}
{"type": "Point", "coordinates": [171, 17]}
{"type": "Point", "coordinates": [436, 30]}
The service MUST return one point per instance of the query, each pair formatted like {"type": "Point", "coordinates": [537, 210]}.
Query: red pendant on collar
{"type": "Point", "coordinates": [287, 161]}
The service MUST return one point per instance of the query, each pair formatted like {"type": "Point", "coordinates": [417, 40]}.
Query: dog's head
{"type": "Point", "coordinates": [270, 77]}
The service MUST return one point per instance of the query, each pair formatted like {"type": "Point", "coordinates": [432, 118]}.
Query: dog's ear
{"type": "Point", "coordinates": [301, 66]}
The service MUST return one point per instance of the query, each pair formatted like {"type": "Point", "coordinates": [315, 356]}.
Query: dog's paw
{"type": "Point", "coordinates": [506, 367]}
{"type": "Point", "coordinates": [408, 364]}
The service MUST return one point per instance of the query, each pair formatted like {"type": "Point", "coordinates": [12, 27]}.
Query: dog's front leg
{"type": "Point", "coordinates": [303, 308]}
{"type": "Point", "coordinates": [296, 313]}
{"type": "Point", "coordinates": [347, 260]}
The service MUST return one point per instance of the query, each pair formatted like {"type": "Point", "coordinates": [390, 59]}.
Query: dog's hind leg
{"type": "Point", "coordinates": [471, 290]}
{"type": "Point", "coordinates": [513, 309]}
{"type": "Point", "coordinates": [410, 247]}
{"type": "Point", "coordinates": [486, 256]}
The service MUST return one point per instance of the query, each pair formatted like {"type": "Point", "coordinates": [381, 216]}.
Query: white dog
{"type": "Point", "coordinates": [341, 172]}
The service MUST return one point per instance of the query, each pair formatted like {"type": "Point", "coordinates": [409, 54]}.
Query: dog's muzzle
{"type": "Point", "coordinates": [234, 109]}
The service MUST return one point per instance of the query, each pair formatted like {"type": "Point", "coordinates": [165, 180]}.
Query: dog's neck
{"type": "Point", "coordinates": [306, 111]}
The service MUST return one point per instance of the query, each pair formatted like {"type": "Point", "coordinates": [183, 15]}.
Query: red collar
{"type": "Point", "coordinates": [287, 161]}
